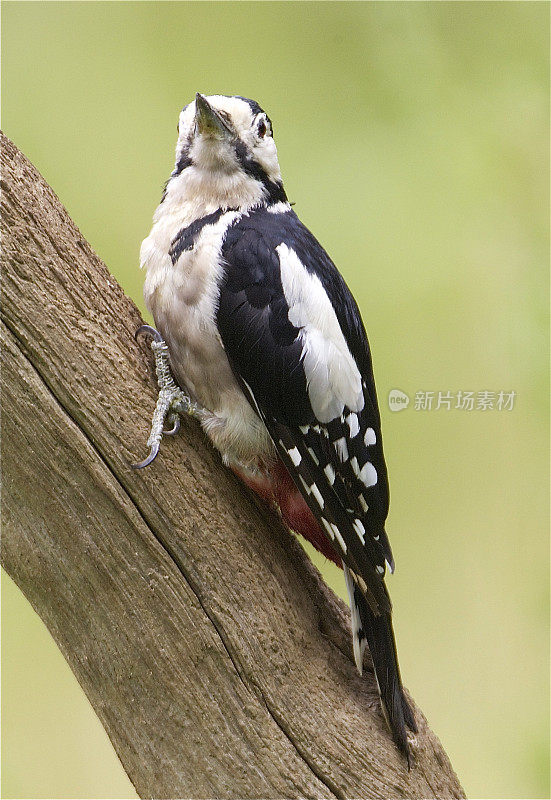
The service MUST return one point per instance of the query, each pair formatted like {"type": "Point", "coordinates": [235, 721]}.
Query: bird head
{"type": "Point", "coordinates": [225, 154]}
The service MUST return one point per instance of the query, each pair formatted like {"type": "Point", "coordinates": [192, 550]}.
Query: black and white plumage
{"type": "Point", "coordinates": [264, 333]}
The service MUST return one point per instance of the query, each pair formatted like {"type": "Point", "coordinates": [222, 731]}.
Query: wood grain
{"type": "Point", "coordinates": [215, 657]}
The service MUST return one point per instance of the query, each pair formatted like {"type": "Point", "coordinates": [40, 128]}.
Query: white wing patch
{"type": "Point", "coordinates": [368, 474]}
{"type": "Point", "coordinates": [330, 473]}
{"type": "Point", "coordinates": [333, 378]}
{"type": "Point", "coordinates": [295, 456]}
{"type": "Point", "coordinates": [341, 448]}
{"type": "Point", "coordinates": [369, 437]}
{"type": "Point", "coordinates": [353, 424]}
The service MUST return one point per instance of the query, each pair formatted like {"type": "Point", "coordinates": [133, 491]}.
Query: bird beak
{"type": "Point", "coordinates": [208, 121]}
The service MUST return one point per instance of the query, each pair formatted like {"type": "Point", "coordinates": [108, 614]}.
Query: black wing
{"type": "Point", "coordinates": [337, 465]}
{"type": "Point", "coordinates": [339, 457]}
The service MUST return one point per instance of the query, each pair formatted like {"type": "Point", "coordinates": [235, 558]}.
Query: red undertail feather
{"type": "Point", "coordinates": [276, 486]}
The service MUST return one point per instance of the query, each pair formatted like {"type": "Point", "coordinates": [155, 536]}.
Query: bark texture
{"type": "Point", "coordinates": [214, 655]}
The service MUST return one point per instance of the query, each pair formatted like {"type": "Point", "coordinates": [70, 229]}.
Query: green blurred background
{"type": "Point", "coordinates": [413, 138]}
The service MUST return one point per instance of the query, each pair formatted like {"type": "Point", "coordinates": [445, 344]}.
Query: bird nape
{"type": "Point", "coordinates": [268, 350]}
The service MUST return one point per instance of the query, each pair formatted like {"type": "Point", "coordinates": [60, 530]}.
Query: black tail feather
{"type": "Point", "coordinates": [380, 639]}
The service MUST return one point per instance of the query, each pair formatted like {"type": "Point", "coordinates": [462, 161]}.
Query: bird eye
{"type": "Point", "coordinates": [262, 127]}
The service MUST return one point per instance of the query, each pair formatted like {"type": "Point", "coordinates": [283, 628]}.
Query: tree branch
{"type": "Point", "coordinates": [215, 657]}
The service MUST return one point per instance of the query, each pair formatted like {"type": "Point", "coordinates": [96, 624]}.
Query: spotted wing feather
{"type": "Point", "coordinates": [286, 362]}
{"type": "Point", "coordinates": [342, 457]}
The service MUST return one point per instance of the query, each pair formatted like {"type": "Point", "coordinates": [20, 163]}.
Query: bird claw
{"type": "Point", "coordinates": [150, 458]}
{"type": "Point", "coordinates": [175, 420]}
{"type": "Point", "coordinates": [149, 329]}
{"type": "Point", "coordinates": [171, 401]}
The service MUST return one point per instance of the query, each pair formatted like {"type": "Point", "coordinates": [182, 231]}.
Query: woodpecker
{"type": "Point", "coordinates": [268, 350]}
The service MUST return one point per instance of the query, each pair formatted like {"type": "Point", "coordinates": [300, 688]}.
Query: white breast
{"type": "Point", "coordinates": [183, 299]}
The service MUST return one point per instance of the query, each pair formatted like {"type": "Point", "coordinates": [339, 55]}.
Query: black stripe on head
{"type": "Point", "coordinates": [255, 108]}
{"type": "Point", "coordinates": [253, 105]}
{"type": "Point", "coordinates": [274, 189]}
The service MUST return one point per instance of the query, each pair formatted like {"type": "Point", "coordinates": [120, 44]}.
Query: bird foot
{"type": "Point", "coordinates": [172, 402]}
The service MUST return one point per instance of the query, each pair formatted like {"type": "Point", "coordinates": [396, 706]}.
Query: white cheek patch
{"type": "Point", "coordinates": [265, 152]}
{"type": "Point", "coordinates": [186, 125]}
{"type": "Point", "coordinates": [332, 376]}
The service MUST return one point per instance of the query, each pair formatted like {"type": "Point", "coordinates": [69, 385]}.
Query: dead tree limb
{"type": "Point", "coordinates": [213, 654]}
